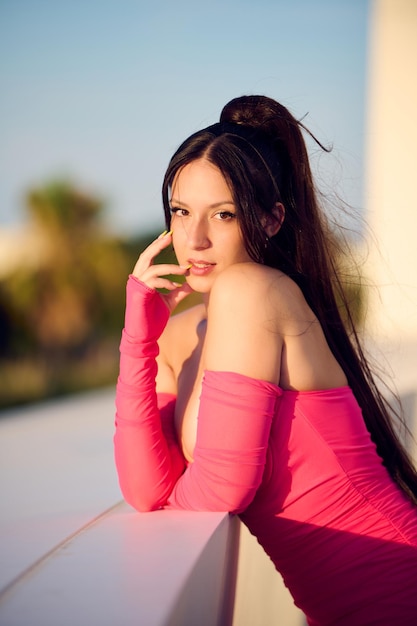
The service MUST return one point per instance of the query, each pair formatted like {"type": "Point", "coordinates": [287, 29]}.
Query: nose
{"type": "Point", "coordinates": [198, 235]}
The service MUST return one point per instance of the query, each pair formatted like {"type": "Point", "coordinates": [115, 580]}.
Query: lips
{"type": "Point", "coordinates": [200, 268]}
{"type": "Point", "coordinates": [200, 264]}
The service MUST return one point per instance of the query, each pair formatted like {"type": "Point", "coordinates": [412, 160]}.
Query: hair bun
{"type": "Point", "coordinates": [255, 111]}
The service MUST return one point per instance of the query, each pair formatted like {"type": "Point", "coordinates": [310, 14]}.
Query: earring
{"type": "Point", "coordinates": [266, 242]}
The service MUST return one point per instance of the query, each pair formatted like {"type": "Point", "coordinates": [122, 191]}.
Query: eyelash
{"type": "Point", "coordinates": [225, 215]}
{"type": "Point", "coordinates": [175, 210]}
{"type": "Point", "coordinates": [228, 214]}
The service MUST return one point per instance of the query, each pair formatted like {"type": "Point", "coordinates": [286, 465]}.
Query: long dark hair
{"type": "Point", "coordinates": [260, 149]}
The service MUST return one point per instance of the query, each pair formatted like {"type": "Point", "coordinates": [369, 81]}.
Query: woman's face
{"type": "Point", "coordinates": [206, 233]}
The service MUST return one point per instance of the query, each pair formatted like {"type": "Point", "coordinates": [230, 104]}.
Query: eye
{"type": "Point", "coordinates": [225, 216]}
{"type": "Point", "coordinates": [179, 212]}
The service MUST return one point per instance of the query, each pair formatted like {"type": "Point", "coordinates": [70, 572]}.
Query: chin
{"type": "Point", "coordinates": [199, 285]}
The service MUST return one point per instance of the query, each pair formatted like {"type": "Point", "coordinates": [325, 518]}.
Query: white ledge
{"type": "Point", "coordinates": [56, 475]}
{"type": "Point", "coordinates": [71, 552]}
{"type": "Point", "coordinates": [160, 568]}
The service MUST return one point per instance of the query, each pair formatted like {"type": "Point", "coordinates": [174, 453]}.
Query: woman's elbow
{"type": "Point", "coordinates": [143, 502]}
{"type": "Point", "coordinates": [238, 501]}
{"type": "Point", "coordinates": [226, 501]}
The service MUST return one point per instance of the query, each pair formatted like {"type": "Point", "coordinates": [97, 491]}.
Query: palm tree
{"type": "Point", "coordinates": [74, 297]}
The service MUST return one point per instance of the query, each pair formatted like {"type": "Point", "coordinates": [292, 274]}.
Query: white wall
{"type": "Point", "coordinates": [391, 138]}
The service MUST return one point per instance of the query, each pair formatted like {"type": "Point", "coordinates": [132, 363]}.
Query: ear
{"type": "Point", "coordinates": [272, 222]}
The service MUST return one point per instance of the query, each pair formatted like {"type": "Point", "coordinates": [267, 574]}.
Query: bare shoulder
{"type": "Point", "coordinates": [243, 334]}
{"type": "Point", "coordinates": [264, 293]}
{"type": "Point", "coordinates": [260, 324]}
{"type": "Point", "coordinates": [254, 278]}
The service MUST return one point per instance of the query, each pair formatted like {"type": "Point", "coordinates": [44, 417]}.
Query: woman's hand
{"type": "Point", "coordinates": [154, 276]}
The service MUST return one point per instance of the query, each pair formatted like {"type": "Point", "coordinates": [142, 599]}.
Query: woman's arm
{"type": "Point", "coordinates": [147, 458]}
{"type": "Point", "coordinates": [148, 463]}
{"type": "Point", "coordinates": [234, 421]}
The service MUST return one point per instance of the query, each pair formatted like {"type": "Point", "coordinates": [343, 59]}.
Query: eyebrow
{"type": "Point", "coordinates": [211, 206]}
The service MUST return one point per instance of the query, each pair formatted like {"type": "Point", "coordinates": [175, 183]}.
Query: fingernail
{"type": "Point", "coordinates": [186, 267]}
{"type": "Point", "coordinates": [176, 284]}
{"type": "Point", "coordinates": [170, 232]}
{"type": "Point", "coordinates": [162, 234]}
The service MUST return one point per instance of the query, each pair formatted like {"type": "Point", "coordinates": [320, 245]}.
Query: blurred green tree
{"type": "Point", "coordinates": [67, 310]}
{"type": "Point", "coordinates": [76, 292]}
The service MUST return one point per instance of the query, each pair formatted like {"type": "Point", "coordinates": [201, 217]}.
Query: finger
{"type": "Point", "coordinates": [159, 282]}
{"type": "Point", "coordinates": [157, 246]}
{"type": "Point", "coordinates": [165, 269]}
{"type": "Point", "coordinates": [148, 255]}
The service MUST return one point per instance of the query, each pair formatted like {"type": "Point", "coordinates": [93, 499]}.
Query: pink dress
{"type": "Point", "coordinates": [298, 467]}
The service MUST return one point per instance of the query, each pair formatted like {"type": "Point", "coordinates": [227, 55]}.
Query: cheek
{"type": "Point", "coordinates": [179, 227]}
{"type": "Point", "coordinates": [238, 247]}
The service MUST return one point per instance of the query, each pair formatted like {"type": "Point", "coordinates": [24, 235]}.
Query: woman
{"type": "Point", "coordinates": [259, 401]}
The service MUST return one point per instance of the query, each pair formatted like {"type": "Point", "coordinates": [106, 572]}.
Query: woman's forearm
{"type": "Point", "coordinates": [148, 464]}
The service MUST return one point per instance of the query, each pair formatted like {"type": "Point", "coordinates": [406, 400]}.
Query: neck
{"type": "Point", "coordinates": [205, 299]}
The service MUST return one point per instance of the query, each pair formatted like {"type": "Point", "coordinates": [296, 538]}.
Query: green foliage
{"type": "Point", "coordinates": [60, 321]}
{"type": "Point", "coordinates": [62, 209]}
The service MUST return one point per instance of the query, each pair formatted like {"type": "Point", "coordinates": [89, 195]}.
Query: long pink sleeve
{"type": "Point", "coordinates": [148, 460]}
{"type": "Point", "coordinates": [234, 422]}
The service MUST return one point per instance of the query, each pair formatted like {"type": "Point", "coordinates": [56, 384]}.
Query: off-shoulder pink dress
{"type": "Point", "coordinates": [298, 467]}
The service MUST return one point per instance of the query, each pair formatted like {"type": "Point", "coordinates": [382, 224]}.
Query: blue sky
{"type": "Point", "coordinates": [101, 92]}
